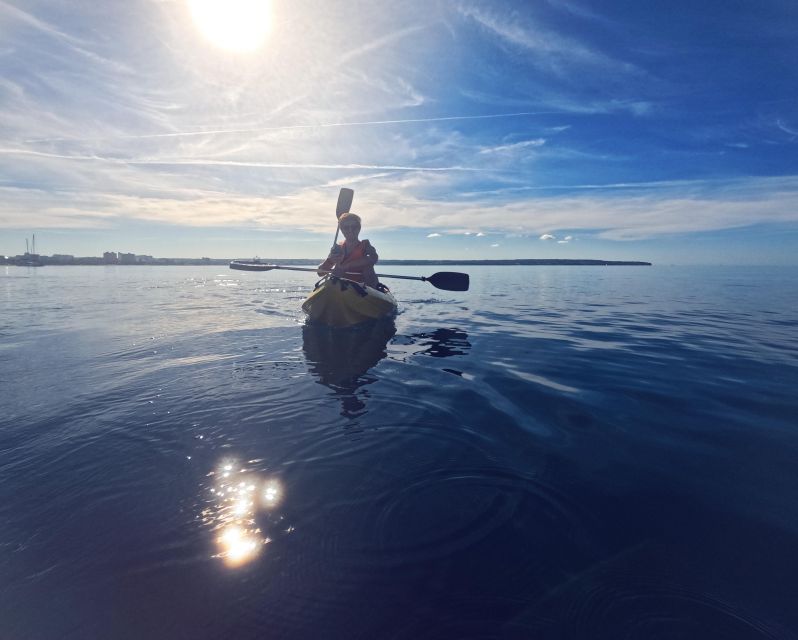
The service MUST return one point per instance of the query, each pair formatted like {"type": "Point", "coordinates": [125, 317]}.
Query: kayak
{"type": "Point", "coordinates": [339, 302]}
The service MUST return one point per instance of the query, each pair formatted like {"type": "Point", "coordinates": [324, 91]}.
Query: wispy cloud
{"type": "Point", "coordinates": [515, 146]}
{"type": "Point", "coordinates": [552, 51]}
{"type": "Point", "coordinates": [78, 46]}
{"type": "Point", "coordinates": [786, 129]}
{"type": "Point", "coordinates": [111, 115]}
{"type": "Point", "coordinates": [565, 101]}
{"type": "Point", "coordinates": [647, 213]}
{"type": "Point", "coordinates": [380, 43]}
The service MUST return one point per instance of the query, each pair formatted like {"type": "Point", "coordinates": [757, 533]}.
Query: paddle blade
{"type": "Point", "coordinates": [251, 266]}
{"type": "Point", "coordinates": [345, 197]}
{"type": "Point", "coordinates": [449, 281]}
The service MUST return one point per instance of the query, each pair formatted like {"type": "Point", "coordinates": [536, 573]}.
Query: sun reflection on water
{"type": "Point", "coordinates": [237, 496]}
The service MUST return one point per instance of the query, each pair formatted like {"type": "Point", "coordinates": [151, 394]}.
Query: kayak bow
{"type": "Point", "coordinates": [338, 302]}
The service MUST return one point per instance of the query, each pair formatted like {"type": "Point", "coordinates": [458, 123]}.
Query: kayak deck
{"type": "Point", "coordinates": [339, 302]}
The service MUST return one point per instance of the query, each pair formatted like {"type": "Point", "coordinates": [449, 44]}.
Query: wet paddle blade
{"type": "Point", "coordinates": [345, 197]}
{"type": "Point", "coordinates": [251, 266]}
{"type": "Point", "coordinates": [449, 280]}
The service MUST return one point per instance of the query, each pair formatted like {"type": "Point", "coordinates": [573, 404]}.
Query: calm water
{"type": "Point", "coordinates": [562, 452]}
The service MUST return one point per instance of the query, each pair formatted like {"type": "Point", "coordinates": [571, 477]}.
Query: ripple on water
{"type": "Point", "coordinates": [495, 467]}
{"type": "Point", "coordinates": [440, 512]}
{"type": "Point", "coordinates": [404, 495]}
{"type": "Point", "coordinates": [637, 594]}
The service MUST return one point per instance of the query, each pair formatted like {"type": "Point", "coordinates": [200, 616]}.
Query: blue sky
{"type": "Point", "coordinates": [550, 128]}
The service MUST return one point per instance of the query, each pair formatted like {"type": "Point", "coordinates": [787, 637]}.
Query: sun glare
{"type": "Point", "coordinates": [238, 496]}
{"type": "Point", "coordinates": [234, 25]}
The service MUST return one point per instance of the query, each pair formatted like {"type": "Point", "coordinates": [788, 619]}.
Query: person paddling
{"type": "Point", "coordinates": [353, 259]}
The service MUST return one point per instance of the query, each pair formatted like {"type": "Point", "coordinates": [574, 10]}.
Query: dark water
{"type": "Point", "coordinates": [559, 453]}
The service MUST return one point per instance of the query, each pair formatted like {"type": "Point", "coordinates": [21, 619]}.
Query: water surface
{"type": "Point", "coordinates": [561, 452]}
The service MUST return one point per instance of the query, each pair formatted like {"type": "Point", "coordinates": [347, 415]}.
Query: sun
{"type": "Point", "coordinates": [234, 25]}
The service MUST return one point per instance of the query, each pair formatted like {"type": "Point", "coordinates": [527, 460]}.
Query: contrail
{"type": "Point", "coordinates": [322, 125]}
{"type": "Point", "coordinates": [328, 125]}
{"type": "Point", "coordinates": [231, 163]}
{"type": "Point", "coordinates": [285, 165]}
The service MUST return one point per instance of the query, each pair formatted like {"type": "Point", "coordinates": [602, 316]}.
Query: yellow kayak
{"type": "Point", "coordinates": [338, 302]}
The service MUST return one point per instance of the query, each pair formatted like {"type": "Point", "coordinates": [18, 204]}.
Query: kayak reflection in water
{"type": "Point", "coordinates": [353, 259]}
{"type": "Point", "coordinates": [442, 343]}
{"type": "Point", "coordinates": [341, 358]}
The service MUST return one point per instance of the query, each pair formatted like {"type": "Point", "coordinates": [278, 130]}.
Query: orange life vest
{"type": "Point", "coordinates": [359, 251]}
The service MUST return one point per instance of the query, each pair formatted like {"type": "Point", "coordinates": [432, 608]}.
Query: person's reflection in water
{"type": "Point", "coordinates": [342, 358]}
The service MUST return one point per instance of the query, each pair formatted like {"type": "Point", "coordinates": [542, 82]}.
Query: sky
{"type": "Point", "coordinates": [660, 131]}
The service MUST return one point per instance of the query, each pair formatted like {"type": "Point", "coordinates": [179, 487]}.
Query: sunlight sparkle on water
{"type": "Point", "coordinates": [239, 546]}
{"type": "Point", "coordinates": [271, 494]}
{"type": "Point", "coordinates": [234, 512]}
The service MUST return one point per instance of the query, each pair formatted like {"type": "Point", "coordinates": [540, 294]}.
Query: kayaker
{"type": "Point", "coordinates": [353, 259]}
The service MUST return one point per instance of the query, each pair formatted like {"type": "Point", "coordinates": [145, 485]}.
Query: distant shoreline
{"type": "Point", "coordinates": [64, 261]}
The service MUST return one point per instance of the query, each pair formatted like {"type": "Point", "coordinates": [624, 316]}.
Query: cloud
{"type": "Point", "coordinates": [624, 213]}
{"type": "Point", "coordinates": [508, 148]}
{"type": "Point", "coordinates": [786, 129]}
{"type": "Point", "coordinates": [75, 192]}
{"type": "Point", "coordinates": [495, 245]}
{"type": "Point", "coordinates": [379, 43]}
{"type": "Point", "coordinates": [553, 52]}
{"type": "Point", "coordinates": [480, 234]}
{"type": "Point", "coordinates": [62, 39]}
{"type": "Point", "coordinates": [143, 123]}
{"type": "Point", "coordinates": [434, 235]}
{"type": "Point", "coordinates": [559, 103]}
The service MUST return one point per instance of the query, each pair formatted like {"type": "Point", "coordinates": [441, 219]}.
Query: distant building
{"type": "Point", "coordinates": [110, 257]}
{"type": "Point", "coordinates": [145, 259]}
{"type": "Point", "coordinates": [61, 258]}
{"type": "Point", "coordinates": [127, 258]}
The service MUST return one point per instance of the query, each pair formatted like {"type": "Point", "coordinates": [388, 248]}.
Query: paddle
{"type": "Point", "coordinates": [345, 197]}
{"type": "Point", "coordinates": [446, 280]}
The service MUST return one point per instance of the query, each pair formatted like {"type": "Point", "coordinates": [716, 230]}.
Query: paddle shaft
{"type": "Point", "coordinates": [448, 280]}
{"type": "Point", "coordinates": [352, 273]}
